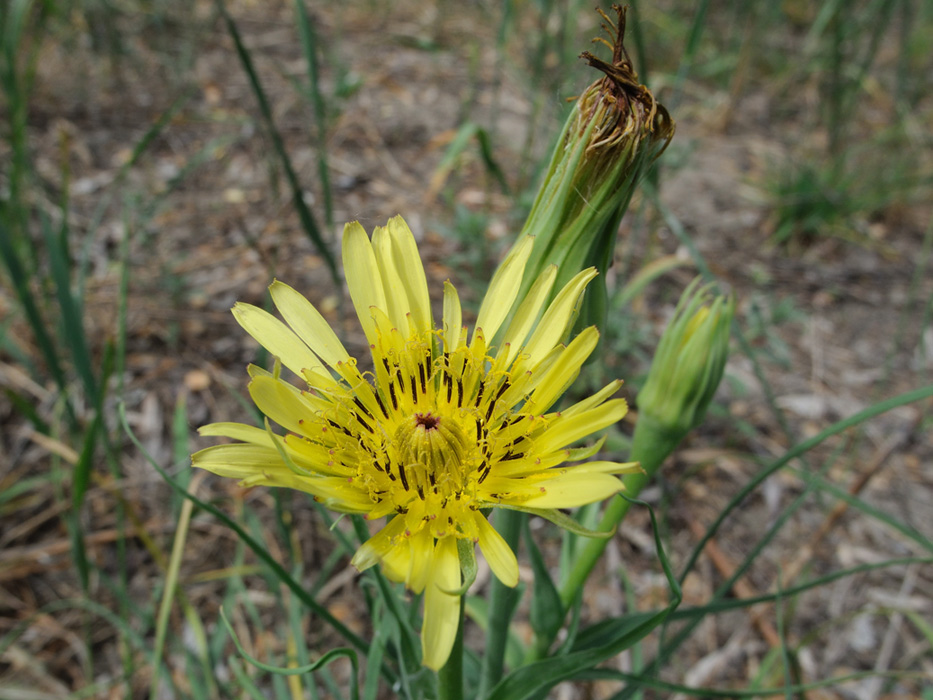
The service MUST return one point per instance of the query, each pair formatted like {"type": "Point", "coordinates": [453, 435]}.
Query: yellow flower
{"type": "Point", "coordinates": [443, 425]}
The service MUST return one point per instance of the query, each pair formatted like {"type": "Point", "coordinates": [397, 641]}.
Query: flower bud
{"type": "Point", "coordinates": [689, 362]}
{"type": "Point", "coordinates": [615, 132]}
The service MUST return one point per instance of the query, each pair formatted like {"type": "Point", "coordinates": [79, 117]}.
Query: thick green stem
{"type": "Point", "coordinates": [502, 601]}
{"type": "Point", "coordinates": [450, 677]}
{"type": "Point", "coordinates": [651, 445]}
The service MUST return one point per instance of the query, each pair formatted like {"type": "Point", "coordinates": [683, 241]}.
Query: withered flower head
{"type": "Point", "coordinates": [616, 130]}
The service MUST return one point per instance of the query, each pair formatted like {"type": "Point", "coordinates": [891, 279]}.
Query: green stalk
{"type": "Point", "coordinates": [651, 445]}
{"type": "Point", "coordinates": [450, 677]}
{"type": "Point", "coordinates": [502, 600]}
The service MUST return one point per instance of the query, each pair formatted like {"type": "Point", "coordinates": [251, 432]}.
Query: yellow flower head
{"type": "Point", "coordinates": [442, 427]}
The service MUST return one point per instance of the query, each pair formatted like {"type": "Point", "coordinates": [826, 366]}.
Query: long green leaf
{"type": "Point", "coordinates": [547, 611]}
{"type": "Point", "coordinates": [788, 690]}
{"type": "Point", "coordinates": [529, 681]}
{"type": "Point", "coordinates": [724, 605]}
{"type": "Point", "coordinates": [27, 300]}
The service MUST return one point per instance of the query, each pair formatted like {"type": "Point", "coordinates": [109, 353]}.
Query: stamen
{"type": "Point", "coordinates": [403, 476]}
{"type": "Point", "coordinates": [479, 396]}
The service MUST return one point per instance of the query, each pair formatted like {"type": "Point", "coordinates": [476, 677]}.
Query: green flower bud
{"type": "Point", "coordinates": [688, 363]}
{"type": "Point", "coordinates": [615, 132]}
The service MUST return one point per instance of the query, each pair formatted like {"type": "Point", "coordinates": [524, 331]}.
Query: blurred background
{"type": "Point", "coordinates": [162, 159]}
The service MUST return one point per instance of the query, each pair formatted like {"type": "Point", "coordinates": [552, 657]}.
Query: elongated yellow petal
{"type": "Point", "coordinates": [503, 289]}
{"type": "Point", "coordinates": [422, 559]}
{"type": "Point", "coordinates": [498, 554]}
{"type": "Point", "coordinates": [564, 431]}
{"type": "Point", "coordinates": [411, 270]}
{"type": "Point", "coordinates": [239, 460]}
{"type": "Point", "coordinates": [594, 400]}
{"type": "Point", "coordinates": [441, 610]}
{"type": "Point", "coordinates": [307, 322]}
{"type": "Point", "coordinates": [262, 466]}
{"type": "Point", "coordinates": [236, 431]}
{"type": "Point", "coordinates": [568, 490]}
{"type": "Point", "coordinates": [604, 467]}
{"type": "Point", "coordinates": [363, 277]}
{"type": "Point", "coordinates": [396, 296]}
{"type": "Point", "coordinates": [276, 337]}
{"type": "Point", "coordinates": [453, 317]}
{"type": "Point", "coordinates": [281, 402]}
{"type": "Point", "coordinates": [564, 370]}
{"type": "Point", "coordinates": [527, 313]}
{"type": "Point", "coordinates": [303, 453]}
{"type": "Point", "coordinates": [557, 319]}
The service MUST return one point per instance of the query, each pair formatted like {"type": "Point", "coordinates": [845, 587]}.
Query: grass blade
{"type": "Point", "coordinates": [309, 44]}
{"type": "Point", "coordinates": [304, 214]}
{"type": "Point", "coordinates": [20, 281]}
{"type": "Point", "coordinates": [260, 551]}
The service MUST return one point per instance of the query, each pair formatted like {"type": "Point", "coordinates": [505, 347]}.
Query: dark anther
{"type": "Point", "coordinates": [401, 473]}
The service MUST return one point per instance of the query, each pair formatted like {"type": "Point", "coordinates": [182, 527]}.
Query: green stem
{"type": "Point", "coordinates": [502, 601]}
{"type": "Point", "coordinates": [450, 677]}
{"type": "Point", "coordinates": [651, 445]}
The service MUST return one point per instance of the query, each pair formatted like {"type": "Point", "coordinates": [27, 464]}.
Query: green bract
{"type": "Point", "coordinates": [615, 132]}
{"type": "Point", "coordinates": [689, 361]}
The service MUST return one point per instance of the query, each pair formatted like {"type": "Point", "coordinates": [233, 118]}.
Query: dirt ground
{"type": "Point", "coordinates": [835, 322]}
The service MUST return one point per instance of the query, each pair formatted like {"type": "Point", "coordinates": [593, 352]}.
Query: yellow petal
{"type": "Point", "coordinates": [605, 467]}
{"type": "Point", "coordinates": [397, 305]}
{"type": "Point", "coordinates": [503, 288]}
{"type": "Point", "coordinates": [363, 278]}
{"type": "Point", "coordinates": [594, 400]}
{"type": "Point", "coordinates": [528, 312]}
{"type": "Point", "coordinates": [411, 270]}
{"type": "Point", "coordinates": [566, 430]}
{"type": "Point", "coordinates": [239, 460]}
{"type": "Point", "coordinates": [308, 323]}
{"type": "Point", "coordinates": [255, 466]}
{"type": "Point", "coordinates": [441, 610]}
{"type": "Point", "coordinates": [422, 559]}
{"type": "Point", "coordinates": [453, 318]}
{"type": "Point", "coordinates": [498, 554]}
{"type": "Point", "coordinates": [276, 337]}
{"type": "Point", "coordinates": [376, 547]}
{"type": "Point", "coordinates": [237, 431]}
{"type": "Point", "coordinates": [282, 402]}
{"type": "Point", "coordinates": [568, 490]}
{"type": "Point", "coordinates": [561, 373]}
{"type": "Point", "coordinates": [304, 453]}
{"type": "Point", "coordinates": [557, 319]}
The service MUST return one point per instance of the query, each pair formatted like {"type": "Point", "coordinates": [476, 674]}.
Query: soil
{"type": "Point", "coordinates": [834, 322]}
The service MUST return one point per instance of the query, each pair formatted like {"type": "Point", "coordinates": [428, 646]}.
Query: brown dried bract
{"type": "Point", "coordinates": [621, 82]}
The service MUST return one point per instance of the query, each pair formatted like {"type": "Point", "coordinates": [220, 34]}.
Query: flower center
{"type": "Point", "coordinates": [433, 454]}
